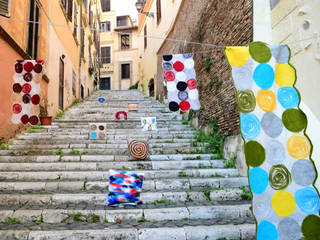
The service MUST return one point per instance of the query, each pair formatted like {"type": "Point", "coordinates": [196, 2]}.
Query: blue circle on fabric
{"type": "Point", "coordinates": [94, 135]}
{"type": "Point", "coordinates": [258, 180]}
{"type": "Point", "coordinates": [263, 75]}
{"type": "Point", "coordinates": [250, 126]}
{"type": "Point", "coordinates": [288, 97]}
{"type": "Point", "coordinates": [101, 100]}
{"type": "Point", "coordinates": [307, 200]}
{"type": "Point", "coordinates": [267, 231]}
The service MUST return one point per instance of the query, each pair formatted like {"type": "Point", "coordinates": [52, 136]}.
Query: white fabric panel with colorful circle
{"type": "Point", "coordinates": [148, 124]}
{"type": "Point", "coordinates": [26, 89]}
{"type": "Point", "coordinates": [98, 131]}
{"type": "Point", "coordinates": [281, 174]}
{"type": "Point", "coordinates": [181, 82]}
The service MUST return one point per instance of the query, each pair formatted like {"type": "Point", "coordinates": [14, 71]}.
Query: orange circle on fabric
{"type": "Point", "coordinates": [283, 203]}
{"type": "Point", "coordinates": [266, 100]}
{"type": "Point", "coordinates": [16, 98]}
{"type": "Point", "coordinates": [35, 110]}
{"type": "Point", "coordinates": [37, 78]}
{"type": "Point", "coordinates": [285, 75]}
{"type": "Point", "coordinates": [298, 146]}
{"type": "Point", "coordinates": [237, 56]}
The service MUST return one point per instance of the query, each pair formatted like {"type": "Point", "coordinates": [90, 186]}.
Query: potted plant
{"type": "Point", "coordinates": [44, 118]}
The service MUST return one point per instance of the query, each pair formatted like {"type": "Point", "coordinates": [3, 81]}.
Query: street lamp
{"type": "Point", "coordinates": [139, 6]}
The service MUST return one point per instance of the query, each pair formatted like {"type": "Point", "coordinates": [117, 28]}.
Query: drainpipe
{"type": "Point", "coordinates": [81, 43]}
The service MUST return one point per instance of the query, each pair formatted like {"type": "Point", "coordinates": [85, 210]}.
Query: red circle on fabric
{"type": "Point", "coordinates": [33, 120]}
{"type": "Point", "coordinates": [38, 68]}
{"type": "Point", "coordinates": [184, 105]}
{"type": "Point", "coordinates": [118, 115]}
{"type": "Point", "coordinates": [16, 108]}
{"type": "Point", "coordinates": [17, 88]}
{"type": "Point", "coordinates": [170, 76]}
{"type": "Point", "coordinates": [28, 66]}
{"type": "Point", "coordinates": [25, 119]}
{"type": "Point", "coordinates": [178, 66]}
{"type": "Point", "coordinates": [192, 84]}
{"type": "Point", "coordinates": [26, 88]}
{"type": "Point", "coordinates": [35, 99]}
{"type": "Point", "coordinates": [40, 61]}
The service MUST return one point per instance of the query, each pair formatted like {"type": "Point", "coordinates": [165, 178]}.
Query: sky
{"type": "Point", "coordinates": [126, 7]}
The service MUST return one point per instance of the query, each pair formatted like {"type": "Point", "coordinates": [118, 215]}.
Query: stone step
{"type": "Point", "coordinates": [104, 175]}
{"type": "Point", "coordinates": [186, 184]}
{"type": "Point", "coordinates": [55, 157]}
{"type": "Point", "coordinates": [113, 214]}
{"type": "Point", "coordinates": [103, 166]}
{"type": "Point", "coordinates": [155, 198]}
{"type": "Point", "coordinates": [200, 232]}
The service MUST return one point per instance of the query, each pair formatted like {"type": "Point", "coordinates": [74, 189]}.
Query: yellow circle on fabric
{"type": "Point", "coordinates": [285, 75]}
{"type": "Point", "coordinates": [237, 56]}
{"type": "Point", "coordinates": [283, 203]}
{"type": "Point", "coordinates": [298, 146]}
{"type": "Point", "coordinates": [266, 100]}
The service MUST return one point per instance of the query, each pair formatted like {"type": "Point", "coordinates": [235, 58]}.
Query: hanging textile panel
{"type": "Point", "coordinates": [124, 188]}
{"type": "Point", "coordinates": [26, 91]}
{"type": "Point", "coordinates": [98, 131]}
{"type": "Point", "coordinates": [181, 82]}
{"type": "Point", "coordinates": [121, 115]}
{"type": "Point", "coordinates": [281, 173]}
{"type": "Point", "coordinates": [148, 123]}
{"type": "Point", "coordinates": [138, 150]}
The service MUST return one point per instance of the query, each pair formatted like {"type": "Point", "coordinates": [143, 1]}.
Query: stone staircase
{"type": "Point", "coordinates": [54, 181]}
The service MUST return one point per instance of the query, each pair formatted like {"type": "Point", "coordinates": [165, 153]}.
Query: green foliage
{"type": "Point", "coordinates": [182, 174]}
{"type": "Point", "coordinates": [134, 86]}
{"type": "Point", "coordinates": [221, 238]}
{"type": "Point", "coordinates": [245, 195]}
{"type": "Point", "coordinates": [142, 219]}
{"type": "Point", "coordinates": [94, 218]}
{"type": "Point", "coordinates": [231, 163]}
{"type": "Point", "coordinates": [74, 152]}
{"type": "Point", "coordinates": [3, 145]}
{"type": "Point", "coordinates": [208, 64]}
{"type": "Point", "coordinates": [60, 114]}
{"type": "Point", "coordinates": [12, 221]}
{"type": "Point", "coordinates": [77, 217]}
{"type": "Point", "coordinates": [39, 221]}
{"type": "Point", "coordinates": [59, 152]}
{"type": "Point", "coordinates": [214, 140]}
{"type": "Point", "coordinates": [105, 220]}
{"type": "Point", "coordinates": [206, 192]}
{"type": "Point", "coordinates": [185, 122]}
{"type": "Point", "coordinates": [84, 153]}
{"type": "Point", "coordinates": [76, 102]}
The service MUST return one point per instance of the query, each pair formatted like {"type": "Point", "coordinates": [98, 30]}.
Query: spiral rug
{"type": "Point", "coordinates": [138, 149]}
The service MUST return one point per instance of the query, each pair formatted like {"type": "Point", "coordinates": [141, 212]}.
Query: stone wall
{"type": "Point", "coordinates": [222, 23]}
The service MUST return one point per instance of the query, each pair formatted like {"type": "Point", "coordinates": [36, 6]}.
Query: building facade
{"type": "Point", "coordinates": [119, 49]}
{"type": "Point", "coordinates": [63, 33]}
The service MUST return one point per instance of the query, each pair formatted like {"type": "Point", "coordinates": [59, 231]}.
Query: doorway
{"type": "Point", "coordinates": [82, 92]}
{"type": "Point", "coordinates": [151, 88]}
{"type": "Point", "coordinates": [61, 83]}
{"type": "Point", "coordinates": [105, 83]}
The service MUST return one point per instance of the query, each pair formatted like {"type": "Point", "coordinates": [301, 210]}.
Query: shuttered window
{"type": "Point", "coordinates": [5, 6]}
{"type": "Point", "coordinates": [33, 29]}
{"type": "Point", "coordinates": [67, 5]}
{"type": "Point", "coordinates": [145, 37]}
{"type": "Point", "coordinates": [106, 5]}
{"type": "Point", "coordinates": [125, 71]}
{"type": "Point", "coordinates": [106, 55]}
{"type": "Point", "coordinates": [75, 21]}
{"type": "Point", "coordinates": [74, 82]}
{"type": "Point", "coordinates": [158, 11]}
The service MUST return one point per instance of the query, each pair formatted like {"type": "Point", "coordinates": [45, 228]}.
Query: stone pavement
{"type": "Point", "coordinates": [54, 180]}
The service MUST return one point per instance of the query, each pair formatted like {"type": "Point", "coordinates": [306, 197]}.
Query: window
{"type": "Point", "coordinates": [125, 71]}
{"type": "Point", "coordinates": [33, 30]}
{"type": "Point", "coordinates": [5, 6]}
{"type": "Point", "coordinates": [122, 21]}
{"type": "Point", "coordinates": [67, 4]}
{"type": "Point", "coordinates": [158, 11]}
{"type": "Point", "coordinates": [106, 55]}
{"type": "Point", "coordinates": [75, 20]}
{"type": "Point", "coordinates": [145, 37]}
{"type": "Point", "coordinates": [74, 82]}
{"type": "Point", "coordinates": [125, 41]}
{"type": "Point", "coordinates": [86, 5]}
{"type": "Point", "coordinates": [82, 42]}
{"type": "Point", "coordinates": [106, 6]}
{"type": "Point", "coordinates": [105, 26]}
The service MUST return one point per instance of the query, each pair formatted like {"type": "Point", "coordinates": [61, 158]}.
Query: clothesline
{"type": "Point", "coordinates": [142, 35]}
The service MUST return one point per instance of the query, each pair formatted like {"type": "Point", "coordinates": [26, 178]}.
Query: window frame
{"type": "Point", "coordinates": [102, 5]}
{"type": "Point", "coordinates": [121, 71]}
{"type": "Point", "coordinates": [102, 57]}
{"type": "Point", "coordinates": [32, 47]}
{"type": "Point", "coordinates": [145, 32]}
{"type": "Point", "coordinates": [159, 14]}
{"type": "Point", "coordinates": [122, 47]}
{"type": "Point", "coordinates": [8, 13]}
{"type": "Point", "coordinates": [105, 29]}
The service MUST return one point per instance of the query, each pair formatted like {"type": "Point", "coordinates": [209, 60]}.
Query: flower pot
{"type": "Point", "coordinates": [45, 120]}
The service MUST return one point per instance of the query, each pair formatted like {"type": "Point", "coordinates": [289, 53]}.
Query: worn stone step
{"type": "Point", "coordinates": [113, 214]}
{"type": "Point", "coordinates": [104, 175]}
{"type": "Point", "coordinates": [102, 166]}
{"type": "Point", "coordinates": [55, 157]}
{"type": "Point", "coordinates": [201, 232]}
{"type": "Point", "coordinates": [148, 185]}
{"type": "Point", "coordinates": [156, 198]}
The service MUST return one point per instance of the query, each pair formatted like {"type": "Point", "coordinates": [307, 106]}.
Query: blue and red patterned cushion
{"type": "Point", "coordinates": [124, 188]}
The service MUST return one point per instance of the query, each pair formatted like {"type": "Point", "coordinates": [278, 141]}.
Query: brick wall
{"type": "Point", "coordinates": [217, 22]}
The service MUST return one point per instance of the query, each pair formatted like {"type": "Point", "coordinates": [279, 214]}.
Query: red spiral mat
{"type": "Point", "coordinates": [138, 149]}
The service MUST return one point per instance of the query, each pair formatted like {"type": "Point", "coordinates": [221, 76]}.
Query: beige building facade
{"type": "Point", "coordinates": [158, 23]}
{"type": "Point", "coordinates": [119, 49]}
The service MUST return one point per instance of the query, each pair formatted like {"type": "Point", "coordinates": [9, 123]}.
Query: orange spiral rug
{"type": "Point", "coordinates": [138, 149]}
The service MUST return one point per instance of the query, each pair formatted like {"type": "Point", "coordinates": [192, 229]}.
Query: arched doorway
{"type": "Point", "coordinates": [151, 88]}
